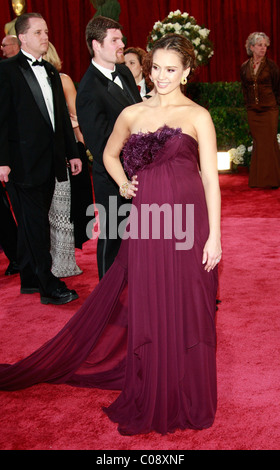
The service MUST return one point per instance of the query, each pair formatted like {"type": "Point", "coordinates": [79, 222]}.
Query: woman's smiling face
{"type": "Point", "coordinates": [167, 71]}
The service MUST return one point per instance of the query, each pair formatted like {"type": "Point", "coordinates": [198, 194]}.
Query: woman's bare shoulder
{"type": "Point", "coordinates": [198, 112]}
{"type": "Point", "coordinates": [135, 110]}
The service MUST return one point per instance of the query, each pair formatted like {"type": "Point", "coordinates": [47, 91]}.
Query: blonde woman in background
{"type": "Point", "coordinates": [68, 88]}
{"type": "Point", "coordinates": [61, 226]}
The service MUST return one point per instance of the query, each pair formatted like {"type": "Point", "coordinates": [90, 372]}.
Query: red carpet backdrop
{"type": "Point", "coordinates": [230, 22]}
{"type": "Point", "coordinates": [248, 323]}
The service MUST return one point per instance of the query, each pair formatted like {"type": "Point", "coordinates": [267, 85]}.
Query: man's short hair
{"type": "Point", "coordinates": [22, 22]}
{"type": "Point", "coordinates": [97, 30]}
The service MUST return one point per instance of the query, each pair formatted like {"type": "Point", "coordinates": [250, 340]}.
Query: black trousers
{"type": "Point", "coordinates": [111, 222]}
{"type": "Point", "coordinates": [31, 206]}
{"type": "Point", "coordinates": [8, 227]}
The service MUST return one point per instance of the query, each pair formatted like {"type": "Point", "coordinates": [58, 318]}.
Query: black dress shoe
{"type": "Point", "coordinates": [12, 269]}
{"type": "Point", "coordinates": [61, 295]}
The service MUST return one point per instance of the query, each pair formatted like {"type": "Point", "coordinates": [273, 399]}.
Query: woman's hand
{"type": "Point", "coordinates": [212, 254]}
{"type": "Point", "coordinates": [129, 189]}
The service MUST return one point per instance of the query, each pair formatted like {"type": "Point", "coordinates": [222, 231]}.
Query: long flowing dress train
{"type": "Point", "coordinates": [148, 328]}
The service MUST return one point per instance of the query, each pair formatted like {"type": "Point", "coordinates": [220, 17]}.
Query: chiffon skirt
{"type": "Point", "coordinates": [148, 328]}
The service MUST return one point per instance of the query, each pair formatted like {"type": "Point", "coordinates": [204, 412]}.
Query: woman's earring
{"type": "Point", "coordinates": [184, 81]}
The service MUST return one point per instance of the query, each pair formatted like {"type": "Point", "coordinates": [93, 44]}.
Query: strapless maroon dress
{"type": "Point", "coordinates": [148, 328]}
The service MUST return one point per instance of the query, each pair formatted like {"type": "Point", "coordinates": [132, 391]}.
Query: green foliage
{"type": "Point", "coordinates": [224, 102]}
{"type": "Point", "coordinates": [109, 8]}
{"type": "Point", "coordinates": [231, 127]}
{"type": "Point", "coordinates": [224, 94]}
{"type": "Point", "coordinates": [97, 3]}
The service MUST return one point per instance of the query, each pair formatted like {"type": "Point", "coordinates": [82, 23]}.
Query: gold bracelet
{"type": "Point", "coordinates": [123, 190]}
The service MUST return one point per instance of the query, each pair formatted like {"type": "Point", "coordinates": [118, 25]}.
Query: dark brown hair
{"type": "Point", "coordinates": [177, 43]}
{"type": "Point", "coordinates": [22, 22]}
{"type": "Point", "coordinates": [97, 29]}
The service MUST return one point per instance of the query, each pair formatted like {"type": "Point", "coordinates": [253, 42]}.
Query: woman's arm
{"type": "Point", "coordinates": [210, 179]}
{"type": "Point", "coordinates": [111, 155]}
{"type": "Point", "coordinates": [70, 94]}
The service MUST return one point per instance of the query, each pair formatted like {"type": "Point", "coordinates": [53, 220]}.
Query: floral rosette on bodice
{"type": "Point", "coordinates": [141, 149]}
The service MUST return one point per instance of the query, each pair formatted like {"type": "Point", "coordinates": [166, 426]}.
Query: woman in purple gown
{"type": "Point", "coordinates": [148, 329]}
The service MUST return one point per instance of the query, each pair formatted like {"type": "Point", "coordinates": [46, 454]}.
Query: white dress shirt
{"type": "Point", "coordinates": [44, 82]}
{"type": "Point", "coordinates": [107, 73]}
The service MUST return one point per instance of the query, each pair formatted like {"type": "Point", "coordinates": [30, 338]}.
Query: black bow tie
{"type": "Point", "coordinates": [114, 75]}
{"type": "Point", "coordinates": [36, 62]}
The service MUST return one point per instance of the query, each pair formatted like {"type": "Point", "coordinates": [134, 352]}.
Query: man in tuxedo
{"type": "Point", "coordinates": [36, 139]}
{"type": "Point", "coordinates": [105, 90]}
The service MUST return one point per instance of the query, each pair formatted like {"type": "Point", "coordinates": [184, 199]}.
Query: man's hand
{"type": "Point", "coordinates": [76, 166]}
{"type": "Point", "coordinates": [4, 173]}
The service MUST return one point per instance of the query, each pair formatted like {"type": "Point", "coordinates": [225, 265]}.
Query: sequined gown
{"type": "Point", "coordinates": [62, 232]}
{"type": "Point", "coordinates": [148, 328]}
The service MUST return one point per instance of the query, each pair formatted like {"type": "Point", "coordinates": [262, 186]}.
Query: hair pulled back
{"type": "Point", "coordinates": [176, 43]}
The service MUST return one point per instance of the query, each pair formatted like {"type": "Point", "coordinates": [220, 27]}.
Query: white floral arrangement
{"type": "Point", "coordinates": [237, 154]}
{"type": "Point", "coordinates": [183, 23]}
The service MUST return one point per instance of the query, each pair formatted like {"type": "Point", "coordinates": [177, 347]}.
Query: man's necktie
{"type": "Point", "coordinates": [37, 62]}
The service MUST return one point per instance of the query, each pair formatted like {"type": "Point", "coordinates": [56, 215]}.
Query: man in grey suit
{"type": "Point", "coordinates": [36, 139]}
{"type": "Point", "coordinates": [105, 90]}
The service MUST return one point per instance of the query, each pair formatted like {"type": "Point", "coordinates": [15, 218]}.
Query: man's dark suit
{"type": "Point", "coordinates": [35, 154]}
{"type": "Point", "coordinates": [99, 103]}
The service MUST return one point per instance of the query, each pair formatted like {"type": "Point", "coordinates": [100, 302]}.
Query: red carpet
{"type": "Point", "coordinates": [60, 417]}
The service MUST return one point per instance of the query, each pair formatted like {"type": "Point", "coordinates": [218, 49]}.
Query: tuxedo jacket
{"type": "Point", "coordinates": [28, 143]}
{"type": "Point", "coordinates": [99, 103]}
